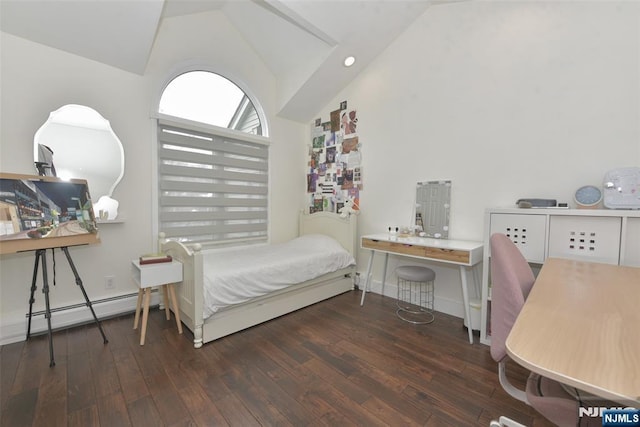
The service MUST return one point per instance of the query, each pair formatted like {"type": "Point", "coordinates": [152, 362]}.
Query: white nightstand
{"type": "Point", "coordinates": [164, 275]}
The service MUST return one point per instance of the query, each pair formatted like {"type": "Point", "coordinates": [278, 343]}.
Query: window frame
{"type": "Point", "coordinates": [189, 66]}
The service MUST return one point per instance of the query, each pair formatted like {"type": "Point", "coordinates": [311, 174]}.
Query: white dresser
{"type": "Point", "coordinates": [596, 235]}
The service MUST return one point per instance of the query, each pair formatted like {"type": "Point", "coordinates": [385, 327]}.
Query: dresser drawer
{"type": "Point", "coordinates": [442, 254]}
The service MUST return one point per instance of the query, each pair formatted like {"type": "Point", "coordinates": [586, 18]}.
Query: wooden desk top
{"type": "Point", "coordinates": [460, 252]}
{"type": "Point", "coordinates": [580, 326]}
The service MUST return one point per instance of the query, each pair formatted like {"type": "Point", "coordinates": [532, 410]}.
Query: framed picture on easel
{"type": "Point", "coordinates": [41, 212]}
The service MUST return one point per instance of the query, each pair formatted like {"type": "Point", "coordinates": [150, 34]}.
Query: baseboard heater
{"type": "Point", "coordinates": [82, 304]}
{"type": "Point", "coordinates": [72, 315]}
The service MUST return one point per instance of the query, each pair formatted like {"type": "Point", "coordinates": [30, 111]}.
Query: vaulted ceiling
{"type": "Point", "coordinates": [302, 42]}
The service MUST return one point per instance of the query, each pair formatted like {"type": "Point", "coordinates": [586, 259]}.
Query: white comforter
{"type": "Point", "coordinates": [235, 276]}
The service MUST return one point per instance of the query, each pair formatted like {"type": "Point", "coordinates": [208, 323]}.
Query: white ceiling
{"type": "Point", "coordinates": [303, 42]}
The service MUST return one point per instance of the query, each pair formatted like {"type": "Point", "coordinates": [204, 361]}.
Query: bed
{"type": "Point", "coordinates": [214, 313]}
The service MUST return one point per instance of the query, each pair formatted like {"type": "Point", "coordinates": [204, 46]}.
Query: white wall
{"type": "Point", "coordinates": [36, 80]}
{"type": "Point", "coordinates": [508, 100]}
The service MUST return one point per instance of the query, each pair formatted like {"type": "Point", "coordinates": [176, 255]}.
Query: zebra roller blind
{"type": "Point", "coordinates": [211, 187]}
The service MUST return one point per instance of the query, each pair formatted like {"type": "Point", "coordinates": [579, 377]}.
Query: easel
{"type": "Point", "coordinates": [41, 255]}
{"type": "Point", "coordinates": [35, 189]}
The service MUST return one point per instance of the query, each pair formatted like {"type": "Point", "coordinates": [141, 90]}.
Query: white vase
{"type": "Point", "coordinates": [107, 204]}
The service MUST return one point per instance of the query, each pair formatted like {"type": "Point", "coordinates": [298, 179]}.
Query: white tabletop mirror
{"type": "Point", "coordinates": [80, 143]}
{"type": "Point", "coordinates": [431, 212]}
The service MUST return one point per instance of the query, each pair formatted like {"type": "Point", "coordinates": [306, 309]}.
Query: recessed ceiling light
{"type": "Point", "coordinates": [349, 61]}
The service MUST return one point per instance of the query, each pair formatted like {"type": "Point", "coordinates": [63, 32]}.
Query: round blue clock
{"type": "Point", "coordinates": [587, 196]}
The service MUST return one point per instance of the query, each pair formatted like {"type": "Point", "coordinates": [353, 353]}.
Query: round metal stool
{"type": "Point", "coordinates": [415, 294]}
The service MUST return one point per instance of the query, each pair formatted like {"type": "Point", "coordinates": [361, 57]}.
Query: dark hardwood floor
{"type": "Point", "coordinates": [332, 364]}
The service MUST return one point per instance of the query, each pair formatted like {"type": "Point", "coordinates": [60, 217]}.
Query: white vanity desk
{"type": "Point", "coordinates": [463, 253]}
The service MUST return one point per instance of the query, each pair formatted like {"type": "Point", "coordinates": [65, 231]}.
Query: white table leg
{"type": "Point", "coordinates": [477, 280]}
{"type": "Point", "coordinates": [465, 300]}
{"type": "Point", "coordinates": [384, 270]}
{"type": "Point", "coordinates": [367, 277]}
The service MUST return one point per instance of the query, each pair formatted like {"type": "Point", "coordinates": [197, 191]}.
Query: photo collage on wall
{"type": "Point", "coordinates": [335, 162]}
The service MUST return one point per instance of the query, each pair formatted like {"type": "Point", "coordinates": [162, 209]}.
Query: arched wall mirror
{"type": "Point", "coordinates": [433, 203]}
{"type": "Point", "coordinates": [81, 144]}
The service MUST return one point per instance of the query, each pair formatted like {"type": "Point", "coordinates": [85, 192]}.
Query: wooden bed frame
{"type": "Point", "coordinates": [237, 318]}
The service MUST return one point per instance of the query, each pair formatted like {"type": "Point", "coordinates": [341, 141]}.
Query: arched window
{"type": "Point", "coordinates": [212, 162]}
{"type": "Point", "coordinates": [206, 97]}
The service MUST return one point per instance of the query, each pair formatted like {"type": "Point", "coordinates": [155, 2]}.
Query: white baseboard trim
{"type": "Point", "coordinates": [11, 332]}
{"type": "Point", "coordinates": [443, 305]}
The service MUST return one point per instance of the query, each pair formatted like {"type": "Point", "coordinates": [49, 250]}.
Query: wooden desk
{"type": "Point", "coordinates": [462, 253]}
{"type": "Point", "coordinates": [580, 326]}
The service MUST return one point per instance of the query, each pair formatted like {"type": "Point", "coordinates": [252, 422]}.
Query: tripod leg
{"type": "Point", "coordinates": [84, 293]}
{"type": "Point", "coordinates": [47, 311]}
{"type": "Point", "coordinates": [33, 289]}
